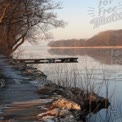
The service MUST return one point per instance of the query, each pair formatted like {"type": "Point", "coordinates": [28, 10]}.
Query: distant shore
{"type": "Point", "coordinates": [91, 47]}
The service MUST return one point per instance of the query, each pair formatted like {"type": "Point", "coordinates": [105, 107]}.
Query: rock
{"type": "Point", "coordinates": [60, 111]}
{"type": "Point", "coordinates": [92, 98]}
{"type": "Point", "coordinates": [53, 89]}
{"type": "Point", "coordinates": [44, 90]}
{"type": "Point", "coordinates": [94, 103]}
{"type": "Point", "coordinates": [69, 118]}
{"type": "Point", "coordinates": [56, 97]}
{"type": "Point", "coordinates": [65, 104]}
{"type": "Point", "coordinates": [54, 114]}
{"type": "Point", "coordinates": [42, 80]}
{"type": "Point", "coordinates": [47, 119]}
{"type": "Point", "coordinates": [51, 114]}
{"type": "Point", "coordinates": [48, 88]}
{"type": "Point", "coordinates": [65, 96]}
{"type": "Point", "coordinates": [2, 83]}
{"type": "Point", "coordinates": [29, 71]}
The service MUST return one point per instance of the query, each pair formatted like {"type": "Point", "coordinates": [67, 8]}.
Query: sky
{"type": "Point", "coordinates": [78, 15]}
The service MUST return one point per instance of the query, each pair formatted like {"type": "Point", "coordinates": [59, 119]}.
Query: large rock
{"type": "Point", "coordinates": [60, 111]}
{"type": "Point", "coordinates": [65, 104]}
{"type": "Point", "coordinates": [54, 113]}
{"type": "Point", "coordinates": [74, 98]}
{"type": "Point", "coordinates": [57, 115]}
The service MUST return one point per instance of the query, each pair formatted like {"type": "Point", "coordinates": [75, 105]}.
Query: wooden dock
{"type": "Point", "coordinates": [48, 60]}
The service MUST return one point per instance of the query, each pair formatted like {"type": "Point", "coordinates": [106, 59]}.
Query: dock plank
{"type": "Point", "coordinates": [49, 60]}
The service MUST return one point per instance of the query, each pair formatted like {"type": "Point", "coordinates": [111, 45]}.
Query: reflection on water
{"type": "Point", "coordinates": [110, 61]}
{"type": "Point", "coordinates": [105, 56]}
{"type": "Point", "coordinates": [96, 62]}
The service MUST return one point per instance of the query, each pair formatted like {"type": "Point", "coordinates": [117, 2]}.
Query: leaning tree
{"type": "Point", "coordinates": [20, 18]}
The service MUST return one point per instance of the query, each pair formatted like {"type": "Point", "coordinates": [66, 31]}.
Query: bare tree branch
{"type": "Point", "coordinates": [4, 12]}
{"type": "Point", "coordinates": [19, 18]}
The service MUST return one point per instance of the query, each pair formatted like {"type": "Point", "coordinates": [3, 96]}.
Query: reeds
{"type": "Point", "coordinates": [90, 82]}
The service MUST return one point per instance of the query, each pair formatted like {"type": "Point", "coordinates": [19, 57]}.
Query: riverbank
{"type": "Point", "coordinates": [54, 103]}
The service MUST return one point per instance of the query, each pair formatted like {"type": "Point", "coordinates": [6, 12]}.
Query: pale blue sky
{"type": "Point", "coordinates": [75, 13]}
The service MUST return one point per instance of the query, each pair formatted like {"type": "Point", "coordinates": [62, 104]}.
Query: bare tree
{"type": "Point", "coordinates": [19, 18]}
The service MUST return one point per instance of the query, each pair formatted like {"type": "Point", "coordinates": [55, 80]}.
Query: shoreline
{"type": "Point", "coordinates": [88, 47]}
{"type": "Point", "coordinates": [59, 102]}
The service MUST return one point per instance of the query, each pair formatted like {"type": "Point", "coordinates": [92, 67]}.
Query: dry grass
{"type": "Point", "coordinates": [90, 83]}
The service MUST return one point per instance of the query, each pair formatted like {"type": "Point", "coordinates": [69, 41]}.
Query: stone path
{"type": "Point", "coordinates": [18, 89]}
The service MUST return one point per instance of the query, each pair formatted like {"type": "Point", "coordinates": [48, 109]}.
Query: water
{"type": "Point", "coordinates": [95, 66]}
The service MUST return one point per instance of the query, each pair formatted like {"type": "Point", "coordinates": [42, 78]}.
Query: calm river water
{"type": "Point", "coordinates": [101, 67]}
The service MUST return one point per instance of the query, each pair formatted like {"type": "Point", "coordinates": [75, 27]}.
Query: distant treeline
{"type": "Point", "coordinates": [106, 38]}
{"type": "Point", "coordinates": [68, 43]}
